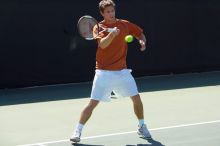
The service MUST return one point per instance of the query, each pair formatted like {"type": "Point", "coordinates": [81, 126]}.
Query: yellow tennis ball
{"type": "Point", "coordinates": [129, 38]}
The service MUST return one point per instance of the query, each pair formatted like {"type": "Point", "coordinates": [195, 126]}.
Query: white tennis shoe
{"type": "Point", "coordinates": [76, 136]}
{"type": "Point", "coordinates": [143, 131]}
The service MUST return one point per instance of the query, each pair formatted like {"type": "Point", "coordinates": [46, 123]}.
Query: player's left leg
{"type": "Point", "coordinates": [138, 106]}
{"type": "Point", "coordinates": [126, 87]}
{"type": "Point", "coordinates": [139, 112]}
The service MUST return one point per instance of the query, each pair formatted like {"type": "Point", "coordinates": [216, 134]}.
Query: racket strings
{"type": "Point", "coordinates": [86, 27]}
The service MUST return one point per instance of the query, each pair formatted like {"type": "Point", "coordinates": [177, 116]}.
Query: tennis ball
{"type": "Point", "coordinates": [129, 38]}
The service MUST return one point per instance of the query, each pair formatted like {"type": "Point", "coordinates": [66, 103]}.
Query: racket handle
{"type": "Point", "coordinates": [111, 29]}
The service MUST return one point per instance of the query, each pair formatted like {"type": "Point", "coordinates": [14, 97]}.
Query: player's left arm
{"type": "Point", "coordinates": [142, 41]}
{"type": "Point", "coordinates": [137, 32]}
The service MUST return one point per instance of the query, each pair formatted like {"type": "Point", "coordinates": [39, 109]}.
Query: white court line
{"type": "Point", "coordinates": [122, 133]}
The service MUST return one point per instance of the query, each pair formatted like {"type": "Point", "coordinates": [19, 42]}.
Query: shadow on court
{"type": "Point", "coordinates": [77, 144]}
{"type": "Point", "coordinates": [151, 142]}
{"type": "Point", "coordinates": [74, 91]}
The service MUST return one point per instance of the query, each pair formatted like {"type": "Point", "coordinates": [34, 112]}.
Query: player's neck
{"type": "Point", "coordinates": [110, 21]}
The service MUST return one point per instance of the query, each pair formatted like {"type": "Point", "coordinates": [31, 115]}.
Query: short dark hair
{"type": "Point", "coordinates": [105, 3]}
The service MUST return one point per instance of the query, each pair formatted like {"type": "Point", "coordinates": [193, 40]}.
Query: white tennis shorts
{"type": "Point", "coordinates": [120, 82]}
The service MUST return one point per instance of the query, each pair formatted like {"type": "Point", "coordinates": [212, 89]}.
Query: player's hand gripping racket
{"type": "Point", "coordinates": [89, 28]}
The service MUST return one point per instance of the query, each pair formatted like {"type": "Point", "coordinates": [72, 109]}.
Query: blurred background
{"type": "Point", "coordinates": [40, 45]}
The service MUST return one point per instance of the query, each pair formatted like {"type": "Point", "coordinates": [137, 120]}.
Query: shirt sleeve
{"type": "Point", "coordinates": [134, 29]}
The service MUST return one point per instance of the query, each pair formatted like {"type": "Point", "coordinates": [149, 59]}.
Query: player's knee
{"type": "Point", "coordinates": [136, 99]}
{"type": "Point", "coordinates": [92, 104]}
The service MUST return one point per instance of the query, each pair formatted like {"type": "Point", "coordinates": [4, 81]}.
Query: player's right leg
{"type": "Point", "coordinates": [84, 117]}
{"type": "Point", "coordinates": [101, 91]}
{"type": "Point", "coordinates": [87, 111]}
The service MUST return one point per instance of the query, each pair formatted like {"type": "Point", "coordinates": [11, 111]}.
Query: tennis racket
{"type": "Point", "coordinates": [89, 28]}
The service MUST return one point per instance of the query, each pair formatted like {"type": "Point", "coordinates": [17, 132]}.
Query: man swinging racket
{"type": "Point", "coordinates": [111, 69]}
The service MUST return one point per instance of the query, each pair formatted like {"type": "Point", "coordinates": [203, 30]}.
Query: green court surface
{"type": "Point", "coordinates": [180, 110]}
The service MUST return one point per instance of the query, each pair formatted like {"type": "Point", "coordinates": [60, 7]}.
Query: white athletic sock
{"type": "Point", "coordinates": [141, 122]}
{"type": "Point", "coordinates": [79, 127]}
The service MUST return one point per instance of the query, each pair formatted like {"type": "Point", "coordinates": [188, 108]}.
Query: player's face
{"type": "Point", "coordinates": [109, 13]}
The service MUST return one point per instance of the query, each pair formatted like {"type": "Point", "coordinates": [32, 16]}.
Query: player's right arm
{"type": "Point", "coordinates": [106, 41]}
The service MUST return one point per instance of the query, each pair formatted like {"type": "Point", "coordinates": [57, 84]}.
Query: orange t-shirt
{"type": "Point", "coordinates": [113, 57]}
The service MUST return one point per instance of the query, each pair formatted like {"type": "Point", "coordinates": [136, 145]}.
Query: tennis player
{"type": "Point", "coordinates": [111, 70]}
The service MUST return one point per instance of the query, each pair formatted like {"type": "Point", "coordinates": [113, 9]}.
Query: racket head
{"type": "Point", "coordinates": [88, 27]}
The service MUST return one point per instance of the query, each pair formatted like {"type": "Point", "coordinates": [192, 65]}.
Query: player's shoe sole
{"type": "Point", "coordinates": [75, 139]}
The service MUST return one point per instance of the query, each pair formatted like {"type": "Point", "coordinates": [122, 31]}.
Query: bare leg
{"type": "Point", "coordinates": [139, 112]}
{"type": "Point", "coordinates": [138, 106]}
{"type": "Point", "coordinates": [84, 117]}
{"type": "Point", "coordinates": [87, 111]}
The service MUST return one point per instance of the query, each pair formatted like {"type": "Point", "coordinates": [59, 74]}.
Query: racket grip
{"type": "Point", "coordinates": [112, 29]}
